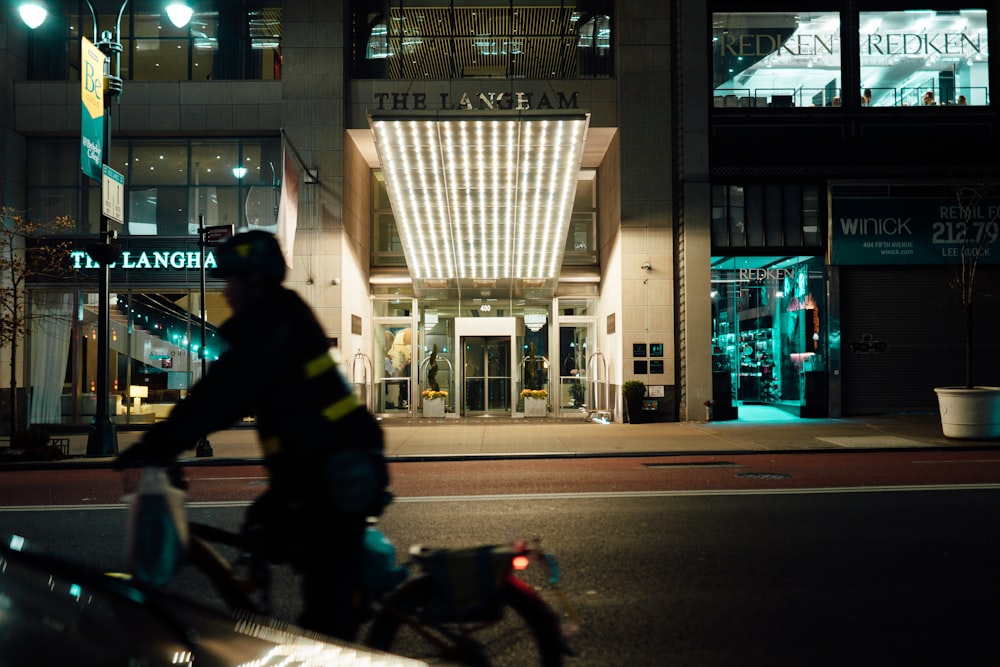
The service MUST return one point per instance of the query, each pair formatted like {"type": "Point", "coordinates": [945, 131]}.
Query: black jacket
{"type": "Point", "coordinates": [277, 367]}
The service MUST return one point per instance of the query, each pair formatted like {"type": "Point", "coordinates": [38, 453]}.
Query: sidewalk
{"type": "Point", "coordinates": [417, 439]}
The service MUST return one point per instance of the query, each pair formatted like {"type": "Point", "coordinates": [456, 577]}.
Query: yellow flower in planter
{"type": "Point", "coordinates": [430, 394]}
{"type": "Point", "coordinates": [534, 393]}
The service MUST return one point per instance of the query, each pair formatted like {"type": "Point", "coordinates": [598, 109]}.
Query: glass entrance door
{"type": "Point", "coordinates": [486, 375]}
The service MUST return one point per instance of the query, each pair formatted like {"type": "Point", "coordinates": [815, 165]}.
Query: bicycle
{"type": "Point", "coordinates": [469, 606]}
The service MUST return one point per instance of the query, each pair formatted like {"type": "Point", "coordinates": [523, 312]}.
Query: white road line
{"type": "Point", "coordinates": [705, 492]}
{"type": "Point", "coordinates": [958, 461]}
{"type": "Point", "coordinates": [565, 496]}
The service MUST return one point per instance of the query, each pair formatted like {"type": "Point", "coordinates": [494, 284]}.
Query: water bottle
{"type": "Point", "coordinates": [379, 571]}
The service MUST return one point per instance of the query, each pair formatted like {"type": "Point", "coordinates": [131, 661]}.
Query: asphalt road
{"type": "Point", "coordinates": [701, 562]}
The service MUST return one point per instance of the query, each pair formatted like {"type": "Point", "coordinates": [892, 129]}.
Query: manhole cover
{"type": "Point", "coordinates": [762, 475]}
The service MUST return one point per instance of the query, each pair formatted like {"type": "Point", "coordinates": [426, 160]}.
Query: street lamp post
{"type": "Point", "coordinates": [204, 447]}
{"type": "Point", "coordinates": [101, 438]}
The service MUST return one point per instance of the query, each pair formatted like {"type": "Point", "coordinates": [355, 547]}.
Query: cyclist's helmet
{"type": "Point", "coordinates": [250, 252]}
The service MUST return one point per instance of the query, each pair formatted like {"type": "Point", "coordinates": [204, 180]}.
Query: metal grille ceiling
{"type": "Point", "coordinates": [482, 203]}
{"type": "Point", "coordinates": [452, 42]}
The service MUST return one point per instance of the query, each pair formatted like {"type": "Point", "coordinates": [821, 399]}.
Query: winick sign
{"type": "Point", "coordinates": [913, 230]}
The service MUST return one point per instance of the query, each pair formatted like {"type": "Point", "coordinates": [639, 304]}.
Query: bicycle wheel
{"type": "Point", "coordinates": [526, 634]}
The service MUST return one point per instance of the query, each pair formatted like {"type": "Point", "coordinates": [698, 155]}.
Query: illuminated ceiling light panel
{"type": "Point", "coordinates": [483, 198]}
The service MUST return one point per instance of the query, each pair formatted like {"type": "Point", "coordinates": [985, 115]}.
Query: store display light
{"type": "Point", "coordinates": [137, 392]}
{"type": "Point", "coordinates": [483, 198]}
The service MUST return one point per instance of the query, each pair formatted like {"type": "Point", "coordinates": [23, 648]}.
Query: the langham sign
{"type": "Point", "coordinates": [142, 260]}
{"type": "Point", "coordinates": [470, 101]}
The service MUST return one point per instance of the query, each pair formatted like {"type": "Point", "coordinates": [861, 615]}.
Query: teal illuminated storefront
{"type": "Point", "coordinates": [769, 336]}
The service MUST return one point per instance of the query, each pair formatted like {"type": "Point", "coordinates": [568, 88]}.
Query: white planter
{"type": "Point", "coordinates": [434, 407]}
{"type": "Point", "coordinates": [969, 413]}
{"type": "Point", "coordinates": [535, 407]}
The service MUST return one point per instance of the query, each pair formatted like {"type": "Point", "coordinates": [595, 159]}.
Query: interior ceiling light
{"type": "Point", "coordinates": [534, 321]}
{"type": "Point", "coordinates": [482, 198]}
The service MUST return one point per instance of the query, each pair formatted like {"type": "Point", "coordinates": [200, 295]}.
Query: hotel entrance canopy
{"type": "Point", "coordinates": [482, 201]}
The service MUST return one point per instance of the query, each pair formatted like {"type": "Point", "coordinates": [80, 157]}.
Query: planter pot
{"type": "Point", "coordinates": [969, 413]}
{"type": "Point", "coordinates": [535, 407]}
{"type": "Point", "coordinates": [634, 412]}
{"type": "Point", "coordinates": [434, 407]}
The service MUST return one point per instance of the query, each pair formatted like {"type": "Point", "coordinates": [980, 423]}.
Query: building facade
{"type": "Point", "coordinates": [498, 197]}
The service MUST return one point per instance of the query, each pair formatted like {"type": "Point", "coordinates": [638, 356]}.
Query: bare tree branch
{"type": "Point", "coordinates": [28, 252]}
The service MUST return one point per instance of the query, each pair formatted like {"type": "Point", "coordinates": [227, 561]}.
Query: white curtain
{"type": "Point", "coordinates": [51, 323]}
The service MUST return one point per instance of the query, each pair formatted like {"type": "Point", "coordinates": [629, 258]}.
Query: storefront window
{"type": "Point", "coordinates": [776, 59]}
{"type": "Point", "coordinates": [394, 367]}
{"type": "Point", "coordinates": [535, 362]}
{"type": "Point", "coordinates": [769, 339]}
{"type": "Point", "coordinates": [574, 352]}
{"type": "Point", "coordinates": [437, 369]}
{"type": "Point", "coordinates": [924, 58]}
{"type": "Point", "coordinates": [154, 353]}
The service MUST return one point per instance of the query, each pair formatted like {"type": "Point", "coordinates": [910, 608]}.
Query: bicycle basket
{"type": "Point", "coordinates": [470, 581]}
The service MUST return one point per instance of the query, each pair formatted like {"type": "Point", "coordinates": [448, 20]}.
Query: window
{"type": "Point", "coordinates": [449, 40]}
{"type": "Point", "coordinates": [776, 59]}
{"type": "Point", "coordinates": [168, 184]}
{"type": "Point", "coordinates": [924, 57]}
{"type": "Point", "coordinates": [581, 239]}
{"type": "Point", "coordinates": [227, 39]}
{"type": "Point", "coordinates": [766, 216]}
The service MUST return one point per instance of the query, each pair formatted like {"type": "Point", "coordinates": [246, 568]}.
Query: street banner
{"type": "Point", "coordinates": [288, 205]}
{"type": "Point", "coordinates": [913, 230]}
{"type": "Point", "coordinates": [91, 109]}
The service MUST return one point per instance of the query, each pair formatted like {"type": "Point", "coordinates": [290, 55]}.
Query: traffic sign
{"type": "Point", "coordinates": [112, 194]}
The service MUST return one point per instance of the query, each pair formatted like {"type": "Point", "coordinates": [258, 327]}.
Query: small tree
{"type": "Point", "coordinates": [977, 233]}
{"type": "Point", "coordinates": [26, 254]}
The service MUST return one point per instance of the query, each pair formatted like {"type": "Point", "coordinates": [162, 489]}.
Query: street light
{"type": "Point", "coordinates": [101, 438]}
{"type": "Point", "coordinates": [33, 14]}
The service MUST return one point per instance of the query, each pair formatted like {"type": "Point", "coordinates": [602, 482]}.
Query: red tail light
{"type": "Point", "coordinates": [520, 562]}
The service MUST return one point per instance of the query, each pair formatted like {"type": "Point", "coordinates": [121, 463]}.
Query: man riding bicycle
{"type": "Point", "coordinates": [322, 448]}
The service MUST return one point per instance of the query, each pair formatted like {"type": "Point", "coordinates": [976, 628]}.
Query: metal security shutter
{"type": "Point", "coordinates": [903, 334]}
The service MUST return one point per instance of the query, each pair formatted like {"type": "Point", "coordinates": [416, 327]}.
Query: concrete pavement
{"type": "Point", "coordinates": [415, 439]}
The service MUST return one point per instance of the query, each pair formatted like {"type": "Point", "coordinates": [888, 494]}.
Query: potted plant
{"type": "Point", "coordinates": [535, 402]}
{"type": "Point", "coordinates": [433, 401]}
{"type": "Point", "coordinates": [577, 393]}
{"type": "Point", "coordinates": [971, 411]}
{"type": "Point", "coordinates": [633, 391]}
